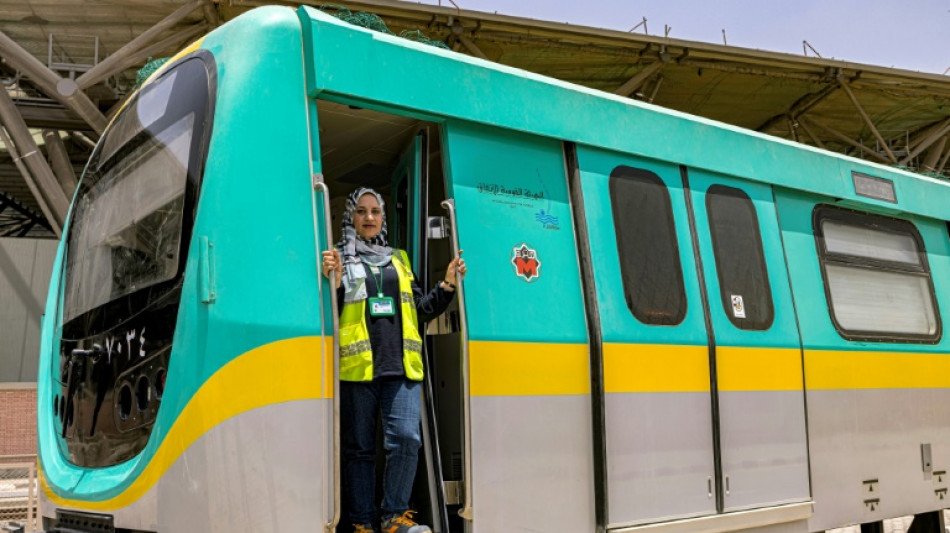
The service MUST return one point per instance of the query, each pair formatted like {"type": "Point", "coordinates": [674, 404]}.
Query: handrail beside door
{"type": "Point", "coordinates": [320, 184]}
{"type": "Point", "coordinates": [466, 511]}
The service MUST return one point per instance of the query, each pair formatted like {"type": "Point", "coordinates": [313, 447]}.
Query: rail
{"type": "Point", "coordinates": [466, 511]}
{"type": "Point", "coordinates": [319, 184]}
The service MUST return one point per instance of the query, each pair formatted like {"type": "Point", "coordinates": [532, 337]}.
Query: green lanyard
{"type": "Point", "coordinates": [379, 282]}
{"type": "Point", "coordinates": [381, 305]}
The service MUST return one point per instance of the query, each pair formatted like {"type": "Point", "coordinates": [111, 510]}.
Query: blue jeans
{"type": "Point", "coordinates": [399, 401]}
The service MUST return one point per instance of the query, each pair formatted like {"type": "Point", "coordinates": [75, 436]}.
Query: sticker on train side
{"type": "Point", "coordinates": [526, 261]}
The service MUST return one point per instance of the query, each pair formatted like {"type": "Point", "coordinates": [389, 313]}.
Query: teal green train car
{"type": "Point", "coordinates": [669, 325]}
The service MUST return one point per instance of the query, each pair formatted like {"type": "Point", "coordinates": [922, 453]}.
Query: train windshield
{"type": "Point", "coordinates": [127, 222]}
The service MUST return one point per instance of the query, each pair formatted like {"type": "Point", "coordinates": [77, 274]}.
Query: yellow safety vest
{"type": "Point", "coordinates": [356, 354]}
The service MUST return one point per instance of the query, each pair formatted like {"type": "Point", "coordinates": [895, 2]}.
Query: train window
{"type": "Point", "coordinates": [127, 223]}
{"type": "Point", "coordinates": [740, 262]}
{"type": "Point", "coordinates": [126, 251]}
{"type": "Point", "coordinates": [649, 253]}
{"type": "Point", "coordinates": [877, 277]}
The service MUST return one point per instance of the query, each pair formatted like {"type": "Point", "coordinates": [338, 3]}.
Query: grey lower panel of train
{"type": "Point", "coordinates": [660, 457]}
{"type": "Point", "coordinates": [533, 463]}
{"type": "Point", "coordinates": [764, 448]}
{"type": "Point", "coordinates": [262, 470]}
{"type": "Point", "coordinates": [876, 435]}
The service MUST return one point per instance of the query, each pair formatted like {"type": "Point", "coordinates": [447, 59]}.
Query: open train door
{"type": "Point", "coordinates": [407, 207]}
{"type": "Point", "coordinates": [408, 210]}
{"type": "Point", "coordinates": [525, 454]}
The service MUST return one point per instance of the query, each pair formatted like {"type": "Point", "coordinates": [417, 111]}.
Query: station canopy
{"type": "Point", "coordinates": [67, 65]}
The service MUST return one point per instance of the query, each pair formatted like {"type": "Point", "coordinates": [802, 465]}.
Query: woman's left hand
{"type": "Point", "coordinates": [456, 270]}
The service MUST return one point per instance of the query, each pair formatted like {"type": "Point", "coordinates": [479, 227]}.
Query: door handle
{"type": "Point", "coordinates": [466, 511]}
{"type": "Point", "coordinates": [320, 185]}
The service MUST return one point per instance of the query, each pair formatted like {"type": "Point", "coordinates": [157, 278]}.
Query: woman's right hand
{"type": "Point", "coordinates": [331, 261]}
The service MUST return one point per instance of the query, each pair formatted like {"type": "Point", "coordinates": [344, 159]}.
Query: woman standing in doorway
{"type": "Point", "coordinates": [381, 361]}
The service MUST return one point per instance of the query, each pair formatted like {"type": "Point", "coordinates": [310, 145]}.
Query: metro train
{"type": "Point", "coordinates": [670, 325]}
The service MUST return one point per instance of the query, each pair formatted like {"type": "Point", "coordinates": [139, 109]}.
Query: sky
{"type": "Point", "coordinates": [906, 34]}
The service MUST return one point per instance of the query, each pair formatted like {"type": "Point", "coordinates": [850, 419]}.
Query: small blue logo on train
{"type": "Point", "coordinates": [547, 220]}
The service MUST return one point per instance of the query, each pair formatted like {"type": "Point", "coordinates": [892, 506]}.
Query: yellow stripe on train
{"type": "Point", "coordinates": [281, 371]}
{"type": "Point", "coordinates": [539, 369]}
{"type": "Point", "coordinates": [759, 369]}
{"type": "Point", "coordinates": [835, 370]}
{"type": "Point", "coordinates": [528, 368]}
{"type": "Point", "coordinates": [655, 368]}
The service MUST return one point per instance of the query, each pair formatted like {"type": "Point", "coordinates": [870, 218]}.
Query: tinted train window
{"type": "Point", "coordinates": [877, 277]}
{"type": "Point", "coordinates": [740, 264]}
{"type": "Point", "coordinates": [128, 225]}
{"type": "Point", "coordinates": [127, 246]}
{"type": "Point", "coordinates": [646, 240]}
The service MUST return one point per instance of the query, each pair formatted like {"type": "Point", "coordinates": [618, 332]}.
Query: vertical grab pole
{"type": "Point", "coordinates": [319, 184]}
{"type": "Point", "coordinates": [466, 511]}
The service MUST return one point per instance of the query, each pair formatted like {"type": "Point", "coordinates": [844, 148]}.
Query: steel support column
{"type": "Point", "coordinates": [47, 189]}
{"type": "Point", "coordinates": [105, 68]}
{"type": "Point", "coordinates": [468, 43]}
{"type": "Point", "coordinates": [634, 83]}
{"type": "Point", "coordinates": [656, 88]}
{"type": "Point", "coordinates": [59, 160]}
{"type": "Point", "coordinates": [82, 139]}
{"type": "Point", "coordinates": [801, 106]}
{"type": "Point", "coordinates": [867, 119]}
{"type": "Point", "coordinates": [134, 58]}
{"type": "Point", "coordinates": [811, 134]}
{"type": "Point", "coordinates": [920, 136]}
{"type": "Point", "coordinates": [943, 161]}
{"type": "Point", "coordinates": [928, 141]}
{"type": "Point", "coordinates": [211, 14]}
{"type": "Point", "coordinates": [18, 222]}
{"type": "Point", "coordinates": [18, 161]}
{"type": "Point", "coordinates": [64, 91]}
{"type": "Point", "coordinates": [933, 157]}
{"type": "Point", "coordinates": [792, 128]}
{"type": "Point", "coordinates": [844, 138]}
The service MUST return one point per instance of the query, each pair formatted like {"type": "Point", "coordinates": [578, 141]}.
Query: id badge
{"type": "Point", "coordinates": [382, 306]}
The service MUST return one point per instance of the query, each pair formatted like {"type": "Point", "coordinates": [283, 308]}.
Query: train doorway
{"type": "Point", "coordinates": [401, 158]}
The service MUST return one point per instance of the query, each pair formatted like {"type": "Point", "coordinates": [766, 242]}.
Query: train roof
{"type": "Point", "coordinates": [432, 82]}
{"type": "Point", "coordinates": [835, 103]}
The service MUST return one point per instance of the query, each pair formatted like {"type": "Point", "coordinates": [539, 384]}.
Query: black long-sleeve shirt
{"type": "Point", "coordinates": [385, 332]}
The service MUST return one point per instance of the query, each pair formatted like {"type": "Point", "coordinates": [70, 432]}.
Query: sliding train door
{"type": "Point", "coordinates": [530, 449]}
{"type": "Point", "coordinates": [409, 207]}
{"type": "Point", "coordinates": [702, 374]}
{"type": "Point", "coordinates": [758, 362]}
{"type": "Point", "coordinates": [406, 205]}
{"type": "Point", "coordinates": [660, 460]}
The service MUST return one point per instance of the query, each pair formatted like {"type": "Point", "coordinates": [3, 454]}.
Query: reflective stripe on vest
{"type": "Point", "coordinates": [356, 353]}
